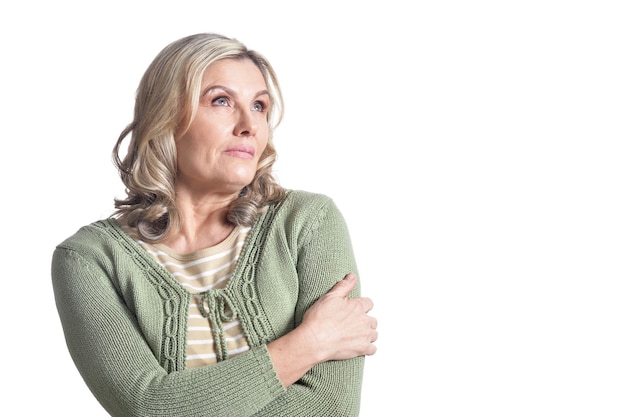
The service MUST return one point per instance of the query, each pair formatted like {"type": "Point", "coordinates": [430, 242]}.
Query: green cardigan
{"type": "Point", "coordinates": [125, 319]}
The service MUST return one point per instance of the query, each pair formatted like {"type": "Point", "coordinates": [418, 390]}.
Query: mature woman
{"type": "Point", "coordinates": [213, 291]}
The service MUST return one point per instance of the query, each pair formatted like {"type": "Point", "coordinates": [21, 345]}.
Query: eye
{"type": "Point", "coordinates": [259, 106]}
{"type": "Point", "coordinates": [220, 101]}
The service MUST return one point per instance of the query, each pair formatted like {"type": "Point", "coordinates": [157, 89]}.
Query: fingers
{"type": "Point", "coordinates": [373, 336]}
{"type": "Point", "coordinates": [366, 303]}
{"type": "Point", "coordinates": [343, 287]}
{"type": "Point", "coordinates": [374, 332]}
{"type": "Point", "coordinates": [350, 316]}
{"type": "Point", "coordinates": [371, 348]}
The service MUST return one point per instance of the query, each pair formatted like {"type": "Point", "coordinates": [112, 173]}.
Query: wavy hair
{"type": "Point", "coordinates": [166, 103]}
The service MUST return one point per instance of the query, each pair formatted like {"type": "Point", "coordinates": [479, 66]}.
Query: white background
{"type": "Point", "coordinates": [476, 150]}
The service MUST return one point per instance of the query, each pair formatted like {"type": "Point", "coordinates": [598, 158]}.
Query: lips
{"type": "Point", "coordinates": [241, 151]}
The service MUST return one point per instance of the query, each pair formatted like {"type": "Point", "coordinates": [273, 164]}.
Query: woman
{"type": "Point", "coordinates": [212, 290]}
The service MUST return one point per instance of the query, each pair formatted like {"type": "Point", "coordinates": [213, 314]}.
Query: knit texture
{"type": "Point", "coordinates": [125, 318]}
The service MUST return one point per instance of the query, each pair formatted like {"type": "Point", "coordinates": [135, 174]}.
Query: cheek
{"type": "Point", "coordinates": [263, 135]}
{"type": "Point", "coordinates": [188, 151]}
{"type": "Point", "coordinates": [262, 150]}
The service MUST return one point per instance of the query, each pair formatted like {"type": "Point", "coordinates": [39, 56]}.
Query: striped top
{"type": "Point", "coordinates": [198, 272]}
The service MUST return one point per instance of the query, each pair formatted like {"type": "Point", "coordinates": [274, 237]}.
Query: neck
{"type": "Point", "coordinates": [203, 225]}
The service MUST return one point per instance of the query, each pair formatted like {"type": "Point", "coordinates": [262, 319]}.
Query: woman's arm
{"type": "Point", "coordinates": [334, 328]}
{"type": "Point", "coordinates": [333, 331]}
{"type": "Point", "coordinates": [118, 365]}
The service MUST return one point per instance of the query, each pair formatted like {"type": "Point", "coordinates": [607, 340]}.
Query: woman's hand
{"type": "Point", "coordinates": [340, 327]}
{"type": "Point", "coordinates": [333, 328]}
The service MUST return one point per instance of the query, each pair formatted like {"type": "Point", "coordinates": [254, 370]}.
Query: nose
{"type": "Point", "coordinates": [246, 125]}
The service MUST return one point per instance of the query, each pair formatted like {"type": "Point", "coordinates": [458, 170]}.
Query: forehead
{"type": "Point", "coordinates": [233, 72]}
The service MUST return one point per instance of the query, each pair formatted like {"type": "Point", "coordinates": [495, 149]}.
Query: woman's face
{"type": "Point", "coordinates": [220, 151]}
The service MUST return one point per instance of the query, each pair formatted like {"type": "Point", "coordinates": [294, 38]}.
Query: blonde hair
{"type": "Point", "coordinates": [166, 102]}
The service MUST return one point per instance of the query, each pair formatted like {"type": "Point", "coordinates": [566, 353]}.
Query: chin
{"type": "Point", "coordinates": [244, 177]}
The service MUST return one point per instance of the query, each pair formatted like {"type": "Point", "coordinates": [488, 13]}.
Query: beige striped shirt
{"type": "Point", "coordinates": [206, 269]}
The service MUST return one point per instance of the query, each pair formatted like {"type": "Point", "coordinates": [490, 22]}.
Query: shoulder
{"type": "Point", "coordinates": [303, 212]}
{"type": "Point", "coordinates": [304, 207]}
{"type": "Point", "coordinates": [98, 251]}
{"type": "Point", "coordinates": [98, 243]}
{"type": "Point", "coordinates": [92, 235]}
{"type": "Point", "coordinates": [307, 202]}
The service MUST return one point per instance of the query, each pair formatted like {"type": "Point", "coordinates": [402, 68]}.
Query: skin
{"type": "Point", "coordinates": [334, 328]}
{"type": "Point", "coordinates": [213, 168]}
{"type": "Point", "coordinates": [217, 157]}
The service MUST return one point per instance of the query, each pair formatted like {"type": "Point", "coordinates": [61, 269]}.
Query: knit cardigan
{"type": "Point", "coordinates": [125, 318]}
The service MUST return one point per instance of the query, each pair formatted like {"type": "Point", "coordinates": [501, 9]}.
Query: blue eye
{"type": "Point", "coordinates": [221, 101]}
{"type": "Point", "coordinates": [258, 106]}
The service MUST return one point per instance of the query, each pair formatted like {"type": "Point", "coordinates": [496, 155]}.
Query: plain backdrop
{"type": "Point", "coordinates": [475, 148]}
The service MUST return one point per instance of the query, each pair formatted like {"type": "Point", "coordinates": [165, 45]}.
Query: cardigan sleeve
{"type": "Point", "coordinates": [325, 256]}
{"type": "Point", "coordinates": [120, 369]}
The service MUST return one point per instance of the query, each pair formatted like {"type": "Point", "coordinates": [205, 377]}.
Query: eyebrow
{"type": "Point", "coordinates": [231, 92]}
